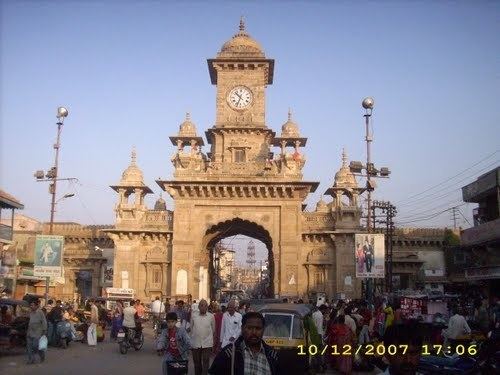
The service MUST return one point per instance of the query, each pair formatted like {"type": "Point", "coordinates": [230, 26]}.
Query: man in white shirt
{"type": "Point", "coordinates": [231, 324]}
{"type": "Point", "coordinates": [318, 319]}
{"type": "Point", "coordinates": [157, 308]}
{"type": "Point", "coordinates": [349, 321]}
{"type": "Point", "coordinates": [94, 320]}
{"type": "Point", "coordinates": [202, 337]}
{"type": "Point", "coordinates": [457, 326]}
{"type": "Point", "coordinates": [129, 317]}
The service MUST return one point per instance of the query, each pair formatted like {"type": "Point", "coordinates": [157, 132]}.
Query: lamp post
{"type": "Point", "coordinates": [357, 168]}
{"type": "Point", "coordinates": [52, 176]}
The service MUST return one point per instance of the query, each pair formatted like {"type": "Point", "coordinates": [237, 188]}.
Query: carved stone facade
{"type": "Point", "coordinates": [239, 187]}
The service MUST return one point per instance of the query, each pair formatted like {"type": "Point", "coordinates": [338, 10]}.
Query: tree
{"type": "Point", "coordinates": [450, 238]}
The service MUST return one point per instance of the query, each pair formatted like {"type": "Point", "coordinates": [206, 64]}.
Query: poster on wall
{"type": "Point", "coordinates": [108, 275]}
{"type": "Point", "coordinates": [48, 256]}
{"type": "Point", "coordinates": [369, 255]}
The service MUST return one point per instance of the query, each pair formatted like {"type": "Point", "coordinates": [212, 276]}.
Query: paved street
{"type": "Point", "coordinates": [79, 359]}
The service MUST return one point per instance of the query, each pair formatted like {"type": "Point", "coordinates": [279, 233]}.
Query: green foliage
{"type": "Point", "coordinates": [450, 238]}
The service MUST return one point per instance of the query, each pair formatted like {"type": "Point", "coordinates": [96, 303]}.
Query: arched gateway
{"type": "Point", "coordinates": [239, 187]}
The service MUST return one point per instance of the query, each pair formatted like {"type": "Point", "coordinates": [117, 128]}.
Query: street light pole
{"type": "Point", "coordinates": [368, 106]}
{"type": "Point", "coordinates": [53, 185]}
{"type": "Point", "coordinates": [62, 113]}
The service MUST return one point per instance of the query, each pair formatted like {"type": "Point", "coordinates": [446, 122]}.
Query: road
{"type": "Point", "coordinates": [79, 359]}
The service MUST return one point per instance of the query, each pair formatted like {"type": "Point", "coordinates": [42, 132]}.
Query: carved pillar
{"type": "Point", "coordinates": [147, 269]}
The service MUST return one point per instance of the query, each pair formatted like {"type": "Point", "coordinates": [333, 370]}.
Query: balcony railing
{"type": "Point", "coordinates": [5, 232]}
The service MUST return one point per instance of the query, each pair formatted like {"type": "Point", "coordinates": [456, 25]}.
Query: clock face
{"type": "Point", "coordinates": [240, 97]}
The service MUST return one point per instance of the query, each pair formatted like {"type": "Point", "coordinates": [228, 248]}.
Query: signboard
{"type": "Point", "coordinates": [413, 307]}
{"type": "Point", "coordinates": [48, 256]}
{"type": "Point", "coordinates": [369, 252]}
{"type": "Point", "coordinates": [482, 273]}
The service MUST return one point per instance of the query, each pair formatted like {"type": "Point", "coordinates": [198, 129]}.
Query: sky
{"type": "Point", "coordinates": [129, 70]}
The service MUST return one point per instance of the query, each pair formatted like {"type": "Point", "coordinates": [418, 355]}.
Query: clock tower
{"type": "Point", "coordinates": [241, 73]}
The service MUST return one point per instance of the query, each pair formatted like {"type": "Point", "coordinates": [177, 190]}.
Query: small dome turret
{"type": "Point", "coordinates": [321, 206]}
{"type": "Point", "coordinates": [290, 129]}
{"type": "Point", "coordinates": [344, 177]}
{"type": "Point", "coordinates": [187, 128]}
{"type": "Point", "coordinates": [160, 204]}
{"type": "Point", "coordinates": [241, 45]}
{"type": "Point", "coordinates": [132, 176]}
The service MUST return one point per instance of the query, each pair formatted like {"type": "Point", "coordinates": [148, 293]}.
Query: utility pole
{"type": "Point", "coordinates": [52, 176]}
{"type": "Point", "coordinates": [357, 167]}
{"type": "Point", "coordinates": [390, 212]}
{"type": "Point", "coordinates": [454, 216]}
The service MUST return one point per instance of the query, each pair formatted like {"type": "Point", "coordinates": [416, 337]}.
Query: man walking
{"type": "Point", "coordinates": [202, 337]}
{"type": "Point", "coordinates": [248, 354]}
{"type": "Point", "coordinates": [231, 324]}
{"type": "Point", "coordinates": [94, 321]}
{"type": "Point", "coordinates": [37, 327]}
{"type": "Point", "coordinates": [318, 320]}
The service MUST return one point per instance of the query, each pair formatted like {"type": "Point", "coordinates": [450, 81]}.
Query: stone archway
{"type": "Point", "coordinates": [229, 228]}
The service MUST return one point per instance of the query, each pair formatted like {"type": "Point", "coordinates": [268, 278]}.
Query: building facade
{"type": "Point", "coordinates": [475, 264]}
{"type": "Point", "coordinates": [249, 181]}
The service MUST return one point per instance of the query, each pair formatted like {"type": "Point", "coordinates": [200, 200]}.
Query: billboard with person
{"type": "Point", "coordinates": [369, 252]}
{"type": "Point", "coordinates": [48, 256]}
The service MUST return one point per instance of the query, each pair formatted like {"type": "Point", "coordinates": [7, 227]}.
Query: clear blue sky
{"type": "Point", "coordinates": [129, 70]}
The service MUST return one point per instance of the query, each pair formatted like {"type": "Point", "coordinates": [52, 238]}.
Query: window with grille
{"type": "Point", "coordinates": [239, 156]}
{"type": "Point", "coordinates": [156, 276]}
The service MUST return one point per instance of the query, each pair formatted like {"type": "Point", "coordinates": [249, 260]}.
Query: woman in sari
{"type": "Point", "coordinates": [117, 319]}
{"type": "Point", "coordinates": [218, 313]}
{"type": "Point", "coordinates": [339, 334]}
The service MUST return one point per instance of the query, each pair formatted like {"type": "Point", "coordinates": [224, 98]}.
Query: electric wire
{"type": "Point", "coordinates": [446, 189]}
{"type": "Point", "coordinates": [448, 179]}
{"type": "Point", "coordinates": [428, 217]}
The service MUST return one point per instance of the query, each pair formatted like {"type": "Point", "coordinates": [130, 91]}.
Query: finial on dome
{"type": "Point", "coordinates": [344, 157]}
{"type": "Point", "coordinates": [188, 116]}
{"type": "Point", "coordinates": [242, 24]}
{"type": "Point", "coordinates": [134, 156]}
{"type": "Point", "coordinates": [289, 114]}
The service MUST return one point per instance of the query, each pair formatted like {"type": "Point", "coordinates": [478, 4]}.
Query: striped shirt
{"type": "Point", "coordinates": [255, 363]}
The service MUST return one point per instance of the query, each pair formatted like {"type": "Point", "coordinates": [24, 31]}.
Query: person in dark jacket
{"type": "Point", "coordinates": [248, 354]}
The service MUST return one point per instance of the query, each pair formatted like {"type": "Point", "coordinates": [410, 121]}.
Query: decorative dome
{"type": "Point", "coordinates": [132, 176]}
{"type": "Point", "coordinates": [344, 177]}
{"type": "Point", "coordinates": [290, 129]}
{"type": "Point", "coordinates": [187, 128]}
{"type": "Point", "coordinates": [160, 204]}
{"type": "Point", "coordinates": [241, 45]}
{"type": "Point", "coordinates": [321, 206]}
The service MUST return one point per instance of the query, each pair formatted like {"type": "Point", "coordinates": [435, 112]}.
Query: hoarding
{"type": "Point", "coordinates": [48, 256]}
{"type": "Point", "coordinates": [369, 252]}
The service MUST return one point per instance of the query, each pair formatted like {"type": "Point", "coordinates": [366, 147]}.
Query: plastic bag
{"type": "Point", "coordinates": [42, 343]}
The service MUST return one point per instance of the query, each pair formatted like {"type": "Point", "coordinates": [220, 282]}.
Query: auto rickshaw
{"type": "Point", "coordinates": [286, 332]}
{"type": "Point", "coordinates": [13, 332]}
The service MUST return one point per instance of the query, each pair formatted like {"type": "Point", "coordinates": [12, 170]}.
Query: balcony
{"type": "Point", "coordinates": [481, 234]}
{"type": "Point", "coordinates": [5, 233]}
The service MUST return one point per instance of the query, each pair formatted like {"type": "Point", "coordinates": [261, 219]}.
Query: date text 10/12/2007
{"type": "Point", "coordinates": [382, 350]}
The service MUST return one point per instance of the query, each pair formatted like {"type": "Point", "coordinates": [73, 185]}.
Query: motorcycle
{"type": "Point", "coordinates": [64, 334]}
{"type": "Point", "coordinates": [129, 337]}
{"type": "Point", "coordinates": [60, 335]}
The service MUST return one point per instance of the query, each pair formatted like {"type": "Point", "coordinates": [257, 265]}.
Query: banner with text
{"type": "Point", "coordinates": [369, 254]}
{"type": "Point", "coordinates": [48, 256]}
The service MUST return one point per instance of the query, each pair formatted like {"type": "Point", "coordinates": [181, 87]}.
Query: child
{"type": "Point", "coordinates": [174, 341]}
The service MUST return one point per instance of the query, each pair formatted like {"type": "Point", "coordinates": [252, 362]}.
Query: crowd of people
{"type": "Point", "coordinates": [232, 335]}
